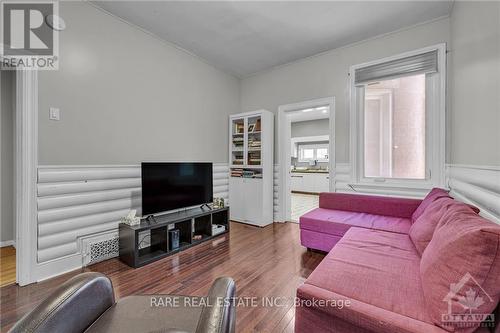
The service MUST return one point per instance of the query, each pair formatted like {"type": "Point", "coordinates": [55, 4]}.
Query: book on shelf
{"type": "Point", "coordinates": [254, 154]}
{"type": "Point", "coordinates": [254, 144]}
{"type": "Point", "coordinates": [246, 173]}
{"type": "Point", "coordinates": [236, 172]}
{"type": "Point", "coordinates": [258, 125]}
{"type": "Point", "coordinates": [239, 128]}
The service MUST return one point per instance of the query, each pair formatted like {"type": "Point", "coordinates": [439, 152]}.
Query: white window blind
{"type": "Point", "coordinates": [423, 63]}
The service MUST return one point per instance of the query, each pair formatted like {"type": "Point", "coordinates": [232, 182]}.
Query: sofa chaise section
{"type": "Point", "coordinates": [381, 279]}
{"type": "Point", "coordinates": [379, 273]}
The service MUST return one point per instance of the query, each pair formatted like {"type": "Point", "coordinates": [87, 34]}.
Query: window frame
{"type": "Point", "coordinates": [435, 131]}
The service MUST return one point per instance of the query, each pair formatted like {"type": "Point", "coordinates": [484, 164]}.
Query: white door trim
{"type": "Point", "coordinates": [284, 137]}
{"type": "Point", "coordinates": [26, 161]}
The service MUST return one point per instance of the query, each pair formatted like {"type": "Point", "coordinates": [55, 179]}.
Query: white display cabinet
{"type": "Point", "coordinates": [251, 142]}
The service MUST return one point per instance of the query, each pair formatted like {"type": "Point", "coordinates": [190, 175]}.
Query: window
{"type": "Point", "coordinates": [313, 152]}
{"type": "Point", "coordinates": [397, 127]}
{"type": "Point", "coordinates": [394, 131]}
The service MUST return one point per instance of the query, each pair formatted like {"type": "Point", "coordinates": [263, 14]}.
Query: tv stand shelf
{"type": "Point", "coordinates": [190, 223]}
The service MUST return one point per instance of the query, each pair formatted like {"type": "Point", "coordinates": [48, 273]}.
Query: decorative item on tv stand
{"type": "Point", "coordinates": [218, 203]}
{"type": "Point", "coordinates": [251, 167]}
{"type": "Point", "coordinates": [131, 219]}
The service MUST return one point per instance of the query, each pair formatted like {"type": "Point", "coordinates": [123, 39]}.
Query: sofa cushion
{"type": "Point", "coordinates": [375, 267]}
{"type": "Point", "coordinates": [315, 311]}
{"type": "Point", "coordinates": [337, 222]}
{"type": "Point", "coordinates": [422, 229]}
{"type": "Point", "coordinates": [434, 194]}
{"type": "Point", "coordinates": [461, 266]}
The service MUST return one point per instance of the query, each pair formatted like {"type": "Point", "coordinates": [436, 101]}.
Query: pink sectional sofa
{"type": "Point", "coordinates": [399, 265]}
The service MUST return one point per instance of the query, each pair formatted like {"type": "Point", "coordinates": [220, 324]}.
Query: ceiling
{"type": "Point", "coordinates": [245, 37]}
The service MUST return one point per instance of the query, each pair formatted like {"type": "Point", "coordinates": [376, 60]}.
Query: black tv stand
{"type": "Point", "coordinates": [194, 225]}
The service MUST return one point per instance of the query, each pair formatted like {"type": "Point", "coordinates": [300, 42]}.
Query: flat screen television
{"type": "Point", "coordinates": [171, 185]}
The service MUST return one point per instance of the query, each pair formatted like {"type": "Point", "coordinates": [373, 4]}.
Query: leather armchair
{"type": "Point", "coordinates": [86, 303]}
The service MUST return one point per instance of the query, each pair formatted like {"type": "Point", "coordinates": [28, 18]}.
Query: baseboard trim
{"type": "Point", "coordinates": [8, 243]}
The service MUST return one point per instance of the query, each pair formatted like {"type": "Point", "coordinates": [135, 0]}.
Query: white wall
{"type": "Point", "coordinates": [310, 128]}
{"type": "Point", "coordinates": [7, 83]}
{"type": "Point", "coordinates": [475, 83]}
{"type": "Point", "coordinates": [327, 75]}
{"type": "Point", "coordinates": [127, 97]}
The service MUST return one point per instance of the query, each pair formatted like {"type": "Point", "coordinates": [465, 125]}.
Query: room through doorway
{"type": "Point", "coordinates": [7, 208]}
{"type": "Point", "coordinates": [309, 145]}
{"type": "Point", "coordinates": [307, 141]}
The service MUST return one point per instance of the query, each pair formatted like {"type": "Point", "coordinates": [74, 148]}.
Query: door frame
{"type": "Point", "coordinates": [25, 174]}
{"type": "Point", "coordinates": [284, 138]}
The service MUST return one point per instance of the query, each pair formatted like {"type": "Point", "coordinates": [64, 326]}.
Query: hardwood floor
{"type": "Point", "coordinates": [7, 265]}
{"type": "Point", "coordinates": [264, 262]}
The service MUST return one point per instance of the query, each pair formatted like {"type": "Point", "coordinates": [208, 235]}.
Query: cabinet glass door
{"type": "Point", "coordinates": [254, 142]}
{"type": "Point", "coordinates": [238, 141]}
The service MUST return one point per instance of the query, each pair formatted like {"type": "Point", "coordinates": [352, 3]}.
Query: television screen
{"type": "Point", "coordinates": [169, 186]}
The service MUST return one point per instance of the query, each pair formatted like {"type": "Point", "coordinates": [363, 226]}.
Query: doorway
{"type": "Point", "coordinates": [25, 161]}
{"type": "Point", "coordinates": [307, 155]}
{"type": "Point", "coordinates": [7, 208]}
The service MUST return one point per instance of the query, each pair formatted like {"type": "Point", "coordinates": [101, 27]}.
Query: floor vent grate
{"type": "Point", "coordinates": [100, 248]}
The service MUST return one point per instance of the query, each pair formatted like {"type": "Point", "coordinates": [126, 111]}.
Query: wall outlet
{"type": "Point", "coordinates": [54, 114]}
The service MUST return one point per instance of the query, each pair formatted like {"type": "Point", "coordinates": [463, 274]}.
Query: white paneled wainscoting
{"type": "Point", "coordinates": [77, 204]}
{"type": "Point", "coordinates": [276, 202]}
{"type": "Point", "coordinates": [477, 185]}
{"type": "Point", "coordinates": [81, 205]}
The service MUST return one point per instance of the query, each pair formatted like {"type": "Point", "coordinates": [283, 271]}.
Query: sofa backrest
{"type": "Point", "coordinates": [371, 204]}
{"type": "Point", "coordinates": [460, 267]}
{"type": "Point", "coordinates": [422, 229]}
{"type": "Point", "coordinates": [434, 194]}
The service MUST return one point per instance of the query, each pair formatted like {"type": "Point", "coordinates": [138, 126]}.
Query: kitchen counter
{"type": "Point", "coordinates": [311, 181]}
